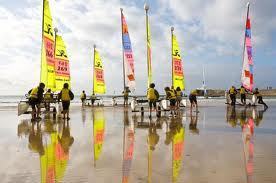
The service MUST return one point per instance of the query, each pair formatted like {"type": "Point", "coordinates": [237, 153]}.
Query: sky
{"type": "Point", "coordinates": [210, 35]}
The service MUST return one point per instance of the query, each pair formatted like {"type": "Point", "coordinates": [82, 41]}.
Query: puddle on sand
{"type": "Point", "coordinates": [114, 145]}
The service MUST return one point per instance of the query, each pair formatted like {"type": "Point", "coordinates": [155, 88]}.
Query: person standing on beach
{"type": "Point", "coordinates": [170, 95]}
{"type": "Point", "coordinates": [179, 95]}
{"type": "Point", "coordinates": [126, 94]}
{"type": "Point", "coordinates": [93, 98]}
{"type": "Point", "coordinates": [152, 96]}
{"type": "Point", "coordinates": [193, 101]}
{"type": "Point", "coordinates": [243, 95]}
{"type": "Point", "coordinates": [35, 99]}
{"type": "Point", "coordinates": [48, 98]}
{"type": "Point", "coordinates": [83, 98]}
{"type": "Point", "coordinates": [233, 93]}
{"type": "Point", "coordinates": [259, 98]}
{"type": "Point", "coordinates": [66, 96]}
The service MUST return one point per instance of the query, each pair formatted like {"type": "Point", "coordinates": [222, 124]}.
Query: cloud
{"type": "Point", "coordinates": [210, 33]}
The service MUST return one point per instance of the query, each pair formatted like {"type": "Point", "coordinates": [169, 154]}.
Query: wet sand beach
{"type": "Point", "coordinates": [107, 144]}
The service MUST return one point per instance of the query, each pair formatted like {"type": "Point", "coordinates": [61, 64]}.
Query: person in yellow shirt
{"type": "Point", "coordinates": [66, 96]}
{"type": "Point", "coordinates": [93, 98]}
{"type": "Point", "coordinates": [170, 95]}
{"type": "Point", "coordinates": [152, 96]}
{"type": "Point", "coordinates": [126, 94]}
{"type": "Point", "coordinates": [193, 100]}
{"type": "Point", "coordinates": [233, 93]}
{"type": "Point", "coordinates": [83, 98]}
{"type": "Point", "coordinates": [243, 92]}
{"type": "Point", "coordinates": [35, 99]}
{"type": "Point", "coordinates": [179, 95]}
{"type": "Point", "coordinates": [48, 98]}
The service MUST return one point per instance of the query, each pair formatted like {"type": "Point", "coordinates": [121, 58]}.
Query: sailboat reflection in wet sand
{"type": "Point", "coordinates": [128, 146]}
{"type": "Point", "coordinates": [51, 144]}
{"type": "Point", "coordinates": [248, 118]}
{"type": "Point", "coordinates": [98, 132]}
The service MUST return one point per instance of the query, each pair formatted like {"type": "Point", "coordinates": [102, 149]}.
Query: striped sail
{"type": "Point", "coordinates": [128, 55]}
{"type": "Point", "coordinates": [247, 69]}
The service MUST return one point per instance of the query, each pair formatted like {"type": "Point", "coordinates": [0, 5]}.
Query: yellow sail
{"type": "Point", "coordinates": [62, 69]}
{"type": "Point", "coordinates": [149, 54]}
{"type": "Point", "coordinates": [98, 128]}
{"type": "Point", "coordinates": [178, 148]}
{"type": "Point", "coordinates": [98, 78]}
{"type": "Point", "coordinates": [178, 76]}
{"type": "Point", "coordinates": [47, 75]}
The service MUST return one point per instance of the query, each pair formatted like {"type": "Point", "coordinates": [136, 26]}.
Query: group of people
{"type": "Point", "coordinates": [37, 97]}
{"type": "Point", "coordinates": [83, 98]}
{"type": "Point", "coordinates": [243, 91]}
{"type": "Point", "coordinates": [173, 95]}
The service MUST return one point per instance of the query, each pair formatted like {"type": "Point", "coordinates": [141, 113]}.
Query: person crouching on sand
{"type": "Point", "coordinates": [36, 97]}
{"type": "Point", "coordinates": [259, 98]}
{"type": "Point", "coordinates": [193, 101]}
{"type": "Point", "coordinates": [66, 96]}
{"type": "Point", "coordinates": [152, 96]}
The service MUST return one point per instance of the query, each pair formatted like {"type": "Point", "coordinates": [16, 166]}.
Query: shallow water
{"type": "Point", "coordinates": [108, 144]}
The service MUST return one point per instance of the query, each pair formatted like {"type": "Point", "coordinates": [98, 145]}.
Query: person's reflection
{"type": "Point", "coordinates": [259, 116]}
{"type": "Point", "coordinates": [153, 137]}
{"type": "Point", "coordinates": [35, 139]}
{"type": "Point", "coordinates": [83, 115]}
{"type": "Point", "coordinates": [66, 140]}
{"type": "Point", "coordinates": [233, 117]}
{"type": "Point", "coordinates": [242, 115]}
{"type": "Point", "coordinates": [152, 140]}
{"type": "Point", "coordinates": [126, 116]}
{"type": "Point", "coordinates": [193, 124]}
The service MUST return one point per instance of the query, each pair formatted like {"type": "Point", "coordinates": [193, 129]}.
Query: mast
{"type": "Point", "coordinates": [123, 50]}
{"type": "Point", "coordinates": [42, 40]}
{"type": "Point", "coordinates": [146, 7]}
{"type": "Point", "coordinates": [93, 89]}
{"type": "Point", "coordinates": [172, 29]}
{"type": "Point", "coordinates": [55, 43]}
{"type": "Point", "coordinates": [247, 14]}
